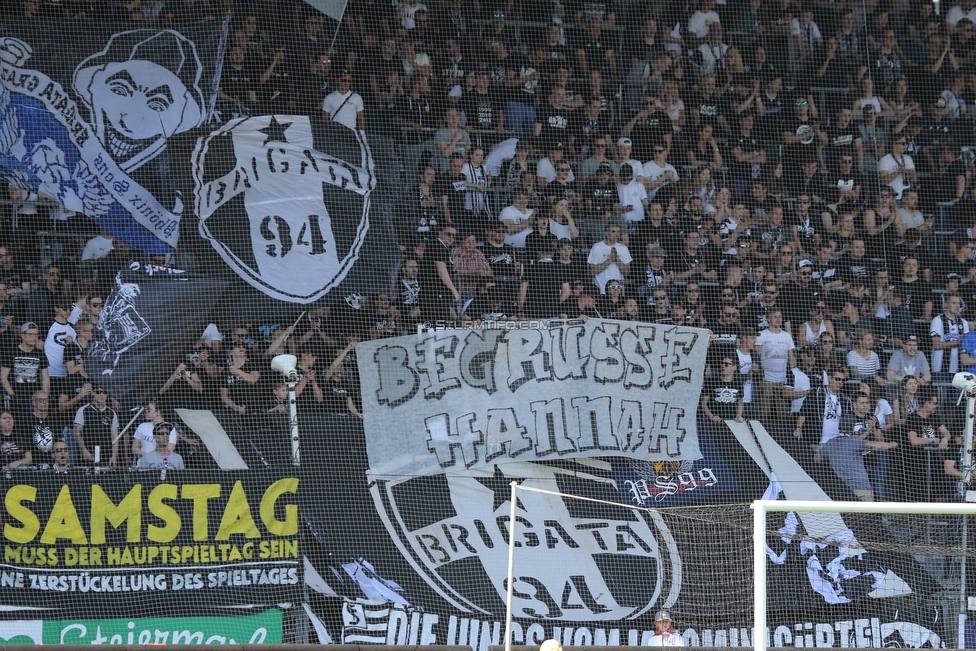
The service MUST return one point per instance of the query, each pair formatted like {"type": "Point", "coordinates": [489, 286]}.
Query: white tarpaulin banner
{"type": "Point", "coordinates": [463, 399]}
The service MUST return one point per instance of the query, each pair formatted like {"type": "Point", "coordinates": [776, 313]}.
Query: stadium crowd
{"type": "Point", "coordinates": [794, 177]}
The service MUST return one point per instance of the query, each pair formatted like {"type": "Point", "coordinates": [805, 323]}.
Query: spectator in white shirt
{"type": "Point", "coordinates": [658, 172]}
{"type": "Point", "coordinates": [897, 169]}
{"type": "Point", "coordinates": [517, 219]}
{"type": "Point", "coordinates": [632, 197]}
{"type": "Point", "coordinates": [344, 105]}
{"type": "Point", "coordinates": [609, 259]}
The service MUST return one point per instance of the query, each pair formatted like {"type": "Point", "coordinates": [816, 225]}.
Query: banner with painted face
{"type": "Point", "coordinates": [86, 122]}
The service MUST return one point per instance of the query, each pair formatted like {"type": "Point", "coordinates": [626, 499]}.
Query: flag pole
{"type": "Point", "coordinates": [339, 25]}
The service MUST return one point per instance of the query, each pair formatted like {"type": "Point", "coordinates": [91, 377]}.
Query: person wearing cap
{"type": "Point", "coordinates": [143, 440]}
{"type": "Point", "coordinates": [344, 105]}
{"type": "Point", "coordinates": [23, 368]}
{"type": "Point", "coordinates": [909, 361]}
{"type": "Point", "coordinates": [649, 127]}
{"type": "Point", "coordinates": [96, 424]}
{"type": "Point", "coordinates": [664, 632]}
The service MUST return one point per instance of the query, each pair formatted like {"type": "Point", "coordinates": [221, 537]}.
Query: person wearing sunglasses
{"type": "Point", "coordinates": [897, 169]}
{"type": "Point", "coordinates": [802, 134]}
{"type": "Point", "coordinates": [721, 397]}
{"type": "Point", "coordinates": [97, 424]}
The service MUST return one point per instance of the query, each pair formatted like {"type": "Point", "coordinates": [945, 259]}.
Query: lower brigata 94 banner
{"type": "Point", "coordinates": [134, 539]}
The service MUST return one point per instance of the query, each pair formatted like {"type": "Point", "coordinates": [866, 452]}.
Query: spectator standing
{"type": "Point", "coordinates": [24, 367]}
{"type": "Point", "coordinates": [345, 105]}
{"type": "Point", "coordinates": [609, 258]}
{"type": "Point", "coordinates": [776, 353]}
{"type": "Point", "coordinates": [96, 424]}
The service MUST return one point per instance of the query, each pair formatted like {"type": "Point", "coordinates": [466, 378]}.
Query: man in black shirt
{"type": "Point", "coordinates": [843, 139]}
{"type": "Point", "coordinates": [504, 264]}
{"type": "Point", "coordinates": [96, 424]}
{"type": "Point", "coordinates": [483, 109]}
{"type": "Point", "coordinates": [648, 128]}
{"type": "Point", "coordinates": [748, 154]}
{"type": "Point", "coordinates": [24, 367]}
{"type": "Point", "coordinates": [707, 106]}
{"type": "Point", "coordinates": [843, 187]}
{"type": "Point", "coordinates": [451, 189]}
{"type": "Point", "coordinates": [436, 273]}
{"type": "Point", "coordinates": [543, 286]}
{"type": "Point", "coordinates": [594, 53]}
{"type": "Point", "coordinates": [553, 121]}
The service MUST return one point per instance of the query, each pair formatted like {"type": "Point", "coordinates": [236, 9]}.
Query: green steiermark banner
{"type": "Point", "coordinates": [263, 628]}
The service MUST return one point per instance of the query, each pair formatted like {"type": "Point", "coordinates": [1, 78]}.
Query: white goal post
{"type": "Point", "coordinates": [761, 507]}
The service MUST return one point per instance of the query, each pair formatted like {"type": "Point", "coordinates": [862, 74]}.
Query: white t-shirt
{"type": "Point", "coordinates": [745, 365]}
{"type": "Point", "coordinates": [956, 14]}
{"type": "Point", "coordinates": [889, 164]}
{"type": "Point", "coordinates": [699, 22]}
{"type": "Point", "coordinates": [54, 348]}
{"type": "Point", "coordinates": [653, 171]}
{"type": "Point", "coordinates": [801, 382]}
{"type": "Point", "coordinates": [347, 115]}
{"type": "Point", "coordinates": [503, 151]}
{"type": "Point", "coordinates": [833, 409]}
{"type": "Point", "coordinates": [632, 194]}
{"type": "Point", "coordinates": [600, 253]}
{"type": "Point", "coordinates": [775, 354]}
{"type": "Point", "coordinates": [96, 248]}
{"type": "Point", "coordinates": [546, 171]}
{"type": "Point", "coordinates": [408, 20]}
{"type": "Point", "coordinates": [512, 214]}
{"type": "Point", "coordinates": [145, 434]}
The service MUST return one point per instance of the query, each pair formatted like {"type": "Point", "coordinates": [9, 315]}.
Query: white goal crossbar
{"type": "Point", "coordinates": [760, 507]}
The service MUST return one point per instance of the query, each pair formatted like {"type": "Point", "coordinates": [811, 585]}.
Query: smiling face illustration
{"type": "Point", "coordinates": [140, 90]}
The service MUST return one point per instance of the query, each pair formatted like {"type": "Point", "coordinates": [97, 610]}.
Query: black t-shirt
{"type": "Point", "coordinates": [916, 294]}
{"type": "Point", "coordinates": [749, 145]}
{"type": "Point", "coordinates": [42, 430]}
{"type": "Point", "coordinates": [806, 148]}
{"type": "Point", "coordinates": [724, 397]}
{"type": "Point", "coordinates": [434, 253]}
{"type": "Point", "coordinates": [97, 428]}
{"type": "Point", "coordinates": [841, 142]}
{"type": "Point", "coordinates": [545, 285]}
{"type": "Point", "coordinates": [242, 393]}
{"type": "Point", "coordinates": [25, 370]}
{"type": "Point", "coordinates": [947, 179]}
{"type": "Point", "coordinates": [602, 197]}
{"type": "Point", "coordinates": [595, 52]}
{"type": "Point", "coordinates": [482, 111]}
{"type": "Point", "coordinates": [648, 133]}
{"type": "Point", "coordinates": [838, 182]}
{"type": "Point", "coordinates": [13, 447]}
{"type": "Point", "coordinates": [555, 123]}
{"type": "Point", "coordinates": [709, 108]}
{"type": "Point", "coordinates": [455, 190]}
{"type": "Point", "coordinates": [912, 462]}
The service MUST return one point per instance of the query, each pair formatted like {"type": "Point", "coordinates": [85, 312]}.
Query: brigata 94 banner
{"type": "Point", "coordinates": [136, 539]}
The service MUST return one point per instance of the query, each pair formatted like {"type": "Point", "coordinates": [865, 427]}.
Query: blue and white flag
{"type": "Point", "coordinates": [89, 128]}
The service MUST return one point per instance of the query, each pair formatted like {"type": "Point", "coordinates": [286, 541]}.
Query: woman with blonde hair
{"type": "Point", "coordinates": [671, 103]}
